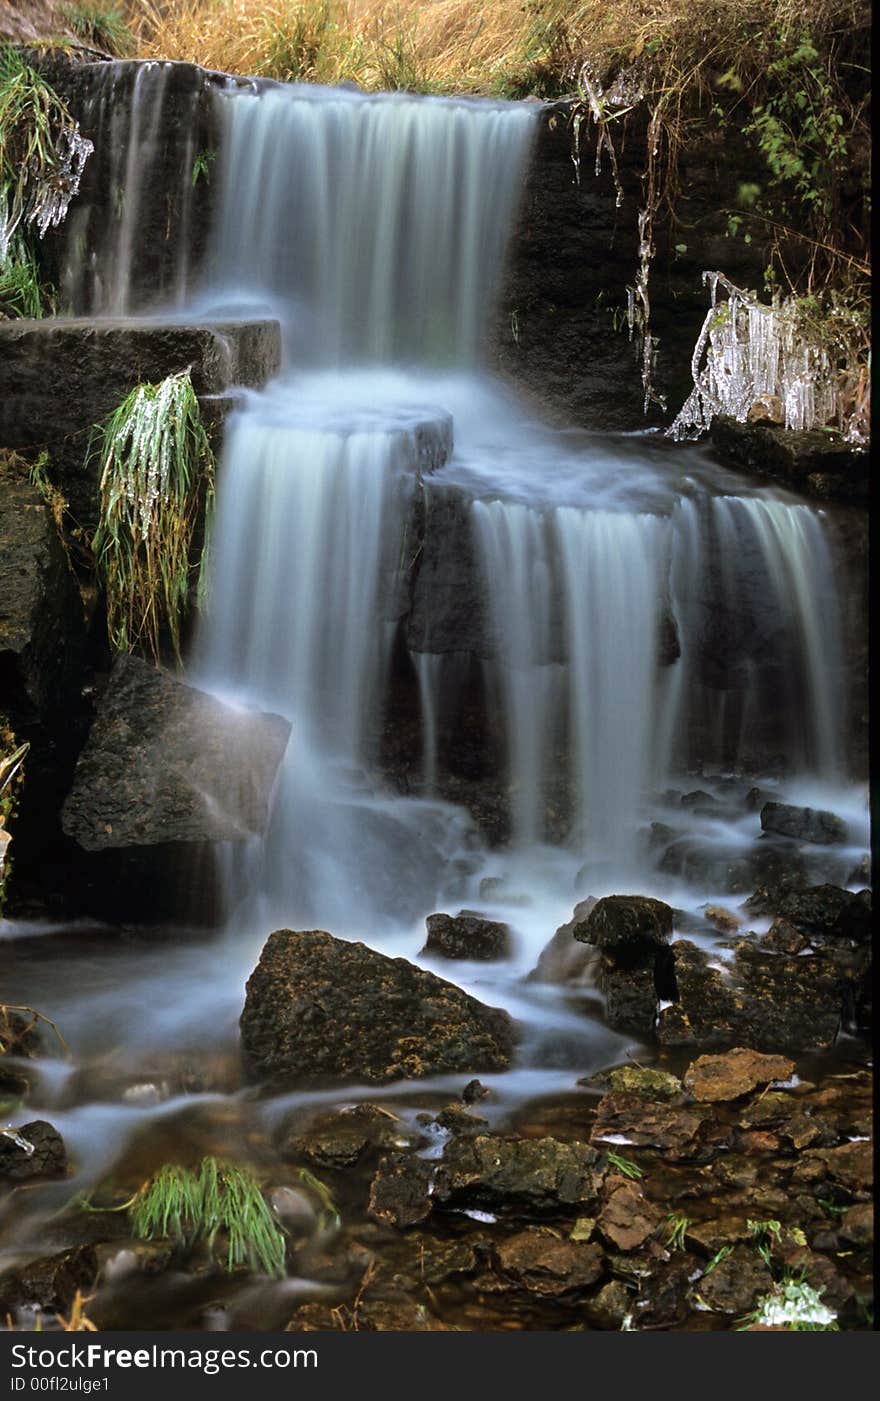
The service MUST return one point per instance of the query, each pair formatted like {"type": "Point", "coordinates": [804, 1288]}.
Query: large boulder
{"type": "Point", "coordinates": [323, 1009]}
{"type": "Point", "coordinates": [819, 912]}
{"type": "Point", "coordinates": [166, 763]}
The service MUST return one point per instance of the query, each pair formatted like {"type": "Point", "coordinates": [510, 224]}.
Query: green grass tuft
{"type": "Point", "coordinates": [219, 1198]}
{"type": "Point", "coordinates": [157, 470]}
{"type": "Point", "coordinates": [101, 25]}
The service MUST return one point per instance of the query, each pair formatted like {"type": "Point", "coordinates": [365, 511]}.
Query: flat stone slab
{"type": "Point", "coordinates": [57, 376]}
{"type": "Point", "coordinates": [166, 763]}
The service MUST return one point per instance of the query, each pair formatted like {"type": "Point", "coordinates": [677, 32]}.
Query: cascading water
{"type": "Point", "coordinates": [609, 579]}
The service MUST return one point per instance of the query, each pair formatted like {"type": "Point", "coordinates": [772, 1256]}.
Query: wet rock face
{"type": "Point", "coordinates": [165, 763]}
{"type": "Point", "coordinates": [321, 1009]}
{"type": "Point", "coordinates": [42, 634]}
{"type": "Point", "coordinates": [819, 912]}
{"type": "Point", "coordinates": [566, 959]}
{"type": "Point", "coordinates": [806, 460]}
{"type": "Point", "coordinates": [804, 824]}
{"type": "Point", "coordinates": [466, 936]}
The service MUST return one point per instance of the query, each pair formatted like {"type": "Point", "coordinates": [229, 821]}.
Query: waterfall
{"type": "Point", "coordinates": [637, 616]}
{"type": "Point", "coordinates": [113, 260]}
{"type": "Point", "coordinates": [376, 226]}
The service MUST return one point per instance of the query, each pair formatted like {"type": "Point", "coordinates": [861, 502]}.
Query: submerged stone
{"type": "Point", "coordinates": [541, 1175]}
{"type": "Point", "coordinates": [320, 1008]}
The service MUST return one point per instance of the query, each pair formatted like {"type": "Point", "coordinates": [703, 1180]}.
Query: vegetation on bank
{"type": "Point", "coordinates": [157, 475]}
{"type": "Point", "coordinates": [42, 155]}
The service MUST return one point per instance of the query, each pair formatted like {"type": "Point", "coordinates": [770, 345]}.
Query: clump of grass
{"type": "Point", "coordinates": [42, 152]}
{"type": "Point", "coordinates": [678, 1228]}
{"type": "Point", "coordinates": [103, 26]}
{"type": "Point", "coordinates": [624, 1165]}
{"type": "Point", "coordinates": [219, 1198]}
{"type": "Point", "coordinates": [157, 473]}
{"type": "Point", "coordinates": [22, 290]}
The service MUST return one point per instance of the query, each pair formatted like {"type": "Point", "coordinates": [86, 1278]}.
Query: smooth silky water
{"type": "Point", "coordinates": [375, 228]}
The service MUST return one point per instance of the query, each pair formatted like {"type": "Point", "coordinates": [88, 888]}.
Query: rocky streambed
{"type": "Point", "coordinates": [420, 1179]}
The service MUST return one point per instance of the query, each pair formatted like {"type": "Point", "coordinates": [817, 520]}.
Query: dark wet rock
{"type": "Point", "coordinates": [803, 824]}
{"type": "Point", "coordinates": [539, 1175]}
{"type": "Point", "coordinates": [769, 1000]}
{"type": "Point", "coordinates": [166, 763]}
{"type": "Point", "coordinates": [791, 1002]}
{"type": "Point", "coordinates": [395, 1316]}
{"type": "Point", "coordinates": [566, 959]}
{"type": "Point", "coordinates": [710, 1236]}
{"type": "Point", "coordinates": [714, 1078]}
{"type": "Point", "coordinates": [850, 1166]}
{"type": "Point", "coordinates": [861, 873]}
{"type": "Point", "coordinates": [627, 927]}
{"type": "Point", "coordinates": [756, 798]}
{"type": "Point", "coordinates": [736, 1282]}
{"type": "Point", "coordinates": [42, 633]}
{"type": "Point", "coordinates": [809, 460]}
{"type": "Point", "coordinates": [857, 1225]}
{"type": "Point", "coordinates": [473, 1092]}
{"type": "Point", "coordinates": [644, 1080]}
{"type": "Point", "coordinates": [666, 1290]}
{"type": "Point", "coordinates": [782, 937]}
{"type": "Point", "coordinates": [457, 1119]}
{"type": "Point", "coordinates": [609, 1306]}
{"type": "Point", "coordinates": [627, 1218]}
{"type": "Point", "coordinates": [623, 1119]}
{"type": "Point", "coordinates": [400, 1191]}
{"type": "Point", "coordinates": [50, 1282]}
{"type": "Point", "coordinates": [539, 1261]}
{"type": "Point", "coordinates": [294, 1208]}
{"type": "Point", "coordinates": [712, 864]}
{"type": "Point", "coordinates": [631, 933]}
{"type": "Point", "coordinates": [816, 911]}
{"type": "Point", "coordinates": [338, 1140]}
{"type": "Point", "coordinates": [466, 935]}
{"type": "Point", "coordinates": [320, 1008]}
{"type": "Point", "coordinates": [722, 919]}
{"type": "Point", "coordinates": [789, 1119]}
{"type": "Point", "coordinates": [33, 1150]}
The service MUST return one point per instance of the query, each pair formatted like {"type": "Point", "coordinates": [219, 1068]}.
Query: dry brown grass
{"type": "Point", "coordinates": [483, 46]}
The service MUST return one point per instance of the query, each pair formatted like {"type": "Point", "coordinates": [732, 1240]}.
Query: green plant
{"type": "Point", "coordinates": [157, 473]}
{"type": "Point", "coordinates": [624, 1165]}
{"type": "Point", "coordinates": [42, 152]}
{"type": "Point", "coordinates": [190, 1207]}
{"type": "Point", "coordinates": [678, 1227]}
{"type": "Point", "coordinates": [22, 292]}
{"type": "Point", "coordinates": [103, 26]}
{"type": "Point", "coordinates": [764, 1233]}
{"type": "Point", "coordinates": [202, 166]}
{"type": "Point", "coordinates": [328, 1214]}
{"type": "Point", "coordinates": [720, 1254]}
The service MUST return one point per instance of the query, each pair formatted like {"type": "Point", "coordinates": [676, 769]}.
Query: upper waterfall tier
{"type": "Point", "coordinates": [374, 225]}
